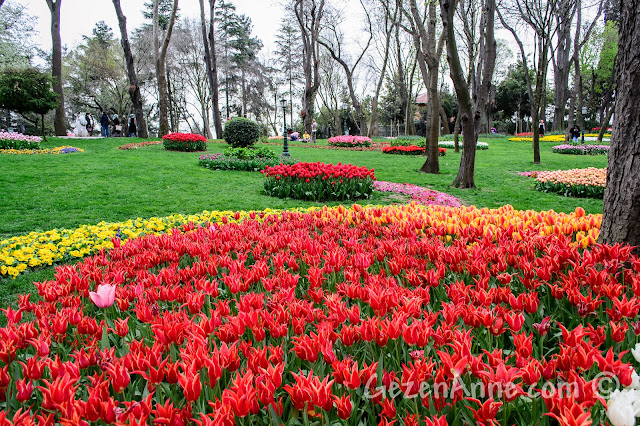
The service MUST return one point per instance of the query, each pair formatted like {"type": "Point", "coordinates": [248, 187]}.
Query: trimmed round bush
{"type": "Point", "coordinates": [241, 132]}
{"type": "Point", "coordinates": [186, 142]}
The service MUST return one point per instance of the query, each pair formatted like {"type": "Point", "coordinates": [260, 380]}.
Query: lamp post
{"type": "Point", "coordinates": [345, 106]}
{"type": "Point", "coordinates": [285, 150]}
{"type": "Point", "coordinates": [584, 112]}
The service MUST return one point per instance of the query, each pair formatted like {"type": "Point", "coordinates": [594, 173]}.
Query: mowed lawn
{"type": "Point", "coordinates": [43, 192]}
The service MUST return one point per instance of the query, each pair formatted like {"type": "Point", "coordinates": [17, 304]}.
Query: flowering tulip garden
{"type": "Point", "coordinates": [581, 149]}
{"type": "Point", "coordinates": [428, 312]}
{"type": "Point", "coordinates": [347, 141]}
{"type": "Point", "coordinates": [409, 150]}
{"type": "Point", "coordinates": [589, 182]}
{"type": "Point", "coordinates": [188, 142]}
{"type": "Point", "coordinates": [319, 181]}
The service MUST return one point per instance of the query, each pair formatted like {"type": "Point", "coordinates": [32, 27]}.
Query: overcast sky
{"type": "Point", "coordinates": [80, 16]}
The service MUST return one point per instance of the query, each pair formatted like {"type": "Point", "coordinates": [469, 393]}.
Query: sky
{"type": "Point", "coordinates": [78, 17]}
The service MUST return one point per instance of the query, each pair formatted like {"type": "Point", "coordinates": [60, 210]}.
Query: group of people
{"type": "Point", "coordinates": [111, 126]}
{"type": "Point", "coordinates": [118, 128]}
{"type": "Point", "coordinates": [574, 132]}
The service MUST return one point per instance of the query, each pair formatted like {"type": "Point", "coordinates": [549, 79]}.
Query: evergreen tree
{"type": "Point", "coordinates": [289, 47]}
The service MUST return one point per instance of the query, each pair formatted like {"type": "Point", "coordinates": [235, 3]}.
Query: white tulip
{"type": "Point", "coordinates": [620, 412]}
{"type": "Point", "coordinates": [636, 352]}
{"type": "Point", "coordinates": [635, 381]}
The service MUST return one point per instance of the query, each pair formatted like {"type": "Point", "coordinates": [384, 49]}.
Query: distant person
{"type": "Point", "coordinates": [117, 127]}
{"type": "Point", "coordinates": [314, 130]}
{"type": "Point", "coordinates": [89, 120]}
{"type": "Point", "coordinates": [133, 131]}
{"type": "Point", "coordinates": [80, 130]}
{"type": "Point", "coordinates": [104, 124]}
{"type": "Point", "coordinates": [575, 133]}
{"type": "Point", "coordinates": [541, 127]}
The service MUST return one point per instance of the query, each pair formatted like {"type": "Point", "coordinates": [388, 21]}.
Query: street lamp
{"type": "Point", "coordinates": [345, 107]}
{"type": "Point", "coordinates": [584, 112]}
{"type": "Point", "coordinates": [285, 150]}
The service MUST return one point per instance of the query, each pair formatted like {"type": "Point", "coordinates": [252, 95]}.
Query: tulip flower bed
{"type": "Point", "coordinates": [549, 138]}
{"type": "Point", "coordinates": [57, 150]}
{"type": "Point", "coordinates": [35, 249]}
{"type": "Point", "coordinates": [581, 149]}
{"type": "Point", "coordinates": [187, 142]}
{"type": "Point", "coordinates": [319, 181]}
{"type": "Point", "coordinates": [346, 141]}
{"type": "Point", "coordinates": [418, 194]}
{"type": "Point", "coordinates": [480, 146]}
{"type": "Point", "coordinates": [137, 145]}
{"type": "Point", "coordinates": [589, 182]}
{"type": "Point", "coordinates": [419, 315]}
{"type": "Point", "coordinates": [244, 159]}
{"type": "Point", "coordinates": [18, 141]}
{"type": "Point", "coordinates": [409, 150]}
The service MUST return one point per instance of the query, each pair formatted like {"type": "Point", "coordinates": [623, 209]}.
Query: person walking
{"type": "Point", "coordinates": [104, 123]}
{"type": "Point", "coordinates": [314, 130]}
{"type": "Point", "coordinates": [117, 127]}
{"type": "Point", "coordinates": [133, 131]}
{"type": "Point", "coordinates": [541, 128]}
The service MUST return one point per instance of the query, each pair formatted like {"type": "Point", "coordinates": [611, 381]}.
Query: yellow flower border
{"type": "Point", "coordinates": [57, 150]}
{"type": "Point", "coordinates": [35, 249]}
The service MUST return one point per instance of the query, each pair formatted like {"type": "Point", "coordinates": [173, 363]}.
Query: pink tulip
{"type": "Point", "coordinates": [104, 297]}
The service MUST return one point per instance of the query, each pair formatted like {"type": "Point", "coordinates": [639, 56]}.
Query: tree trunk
{"type": "Point", "coordinates": [445, 121]}
{"type": "Point", "coordinates": [160, 55]}
{"type": "Point", "coordinates": [373, 120]}
{"type": "Point", "coordinates": [60, 121]}
{"type": "Point", "coordinates": [562, 63]}
{"type": "Point", "coordinates": [621, 218]}
{"type": "Point", "coordinates": [134, 89]}
{"type": "Point", "coordinates": [44, 137]}
{"type": "Point", "coordinates": [212, 63]}
{"type": "Point", "coordinates": [465, 177]}
{"type": "Point", "coordinates": [309, 33]}
{"type": "Point", "coordinates": [456, 133]}
{"type": "Point", "coordinates": [604, 124]}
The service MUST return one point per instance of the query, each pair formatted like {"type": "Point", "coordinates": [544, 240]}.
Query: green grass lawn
{"type": "Point", "coordinates": [43, 192]}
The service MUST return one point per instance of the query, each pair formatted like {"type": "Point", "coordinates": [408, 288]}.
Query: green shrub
{"type": "Point", "coordinates": [409, 141]}
{"type": "Point", "coordinates": [251, 153]}
{"type": "Point", "coordinates": [241, 132]}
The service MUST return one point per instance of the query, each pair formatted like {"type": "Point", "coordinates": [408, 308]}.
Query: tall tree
{"type": "Point", "coordinates": [539, 15]}
{"type": "Point", "coordinates": [160, 54]}
{"type": "Point", "coordinates": [332, 40]}
{"type": "Point", "coordinates": [388, 23]}
{"type": "Point", "coordinates": [60, 122]}
{"type": "Point", "coordinates": [309, 14]}
{"type": "Point", "coordinates": [429, 50]}
{"type": "Point", "coordinates": [27, 91]}
{"type": "Point", "coordinates": [621, 219]}
{"type": "Point", "coordinates": [17, 47]}
{"type": "Point", "coordinates": [227, 22]}
{"type": "Point", "coordinates": [289, 46]}
{"type": "Point", "coordinates": [211, 60]}
{"type": "Point", "coordinates": [134, 88]}
{"type": "Point", "coordinates": [94, 74]}
{"type": "Point", "coordinates": [471, 109]}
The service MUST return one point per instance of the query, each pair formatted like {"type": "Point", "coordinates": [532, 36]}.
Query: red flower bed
{"type": "Point", "coordinates": [409, 150]}
{"type": "Point", "coordinates": [319, 181]}
{"type": "Point", "coordinates": [364, 315]}
{"type": "Point", "coordinates": [524, 134]}
{"type": "Point", "coordinates": [184, 142]}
